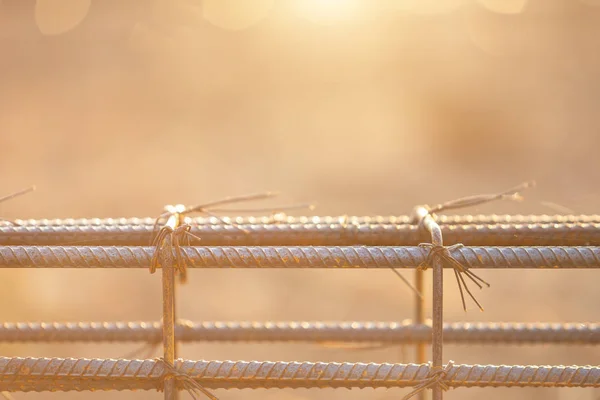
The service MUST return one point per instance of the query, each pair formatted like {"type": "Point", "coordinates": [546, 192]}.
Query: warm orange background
{"type": "Point", "coordinates": [366, 107]}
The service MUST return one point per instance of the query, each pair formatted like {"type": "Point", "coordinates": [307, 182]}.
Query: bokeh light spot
{"type": "Point", "coordinates": [426, 6]}
{"type": "Point", "coordinates": [54, 17]}
{"type": "Point", "coordinates": [235, 14]}
{"type": "Point", "coordinates": [329, 11]}
{"type": "Point", "coordinates": [504, 6]}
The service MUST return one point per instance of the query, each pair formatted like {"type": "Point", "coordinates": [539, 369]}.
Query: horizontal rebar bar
{"type": "Point", "coordinates": [334, 233]}
{"type": "Point", "coordinates": [56, 374]}
{"type": "Point", "coordinates": [298, 257]}
{"type": "Point", "coordinates": [388, 333]}
{"type": "Point", "coordinates": [278, 218]}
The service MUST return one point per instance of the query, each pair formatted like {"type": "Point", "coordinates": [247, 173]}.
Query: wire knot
{"type": "Point", "coordinates": [440, 251]}
{"type": "Point", "coordinates": [179, 233]}
{"type": "Point", "coordinates": [444, 253]}
{"type": "Point", "coordinates": [435, 378]}
{"type": "Point", "coordinates": [178, 237]}
{"type": "Point", "coordinates": [189, 383]}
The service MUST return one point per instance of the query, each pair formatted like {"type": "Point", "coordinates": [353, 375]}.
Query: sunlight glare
{"type": "Point", "coordinates": [426, 6]}
{"type": "Point", "coordinates": [328, 11]}
{"type": "Point", "coordinates": [235, 14]}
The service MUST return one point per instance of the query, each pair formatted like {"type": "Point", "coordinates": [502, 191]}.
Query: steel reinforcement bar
{"type": "Point", "coordinates": [315, 232]}
{"type": "Point", "coordinates": [345, 219]}
{"type": "Point", "coordinates": [385, 333]}
{"type": "Point", "coordinates": [59, 374]}
{"type": "Point", "coordinates": [298, 257]}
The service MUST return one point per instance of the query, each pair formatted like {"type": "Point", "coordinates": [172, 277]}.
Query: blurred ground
{"type": "Point", "coordinates": [119, 107]}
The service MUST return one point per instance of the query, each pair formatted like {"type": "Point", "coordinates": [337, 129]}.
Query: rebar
{"type": "Point", "coordinates": [327, 220]}
{"type": "Point", "coordinates": [297, 257]}
{"type": "Point", "coordinates": [437, 312]}
{"type": "Point", "coordinates": [314, 242]}
{"type": "Point", "coordinates": [167, 260]}
{"type": "Point", "coordinates": [332, 233]}
{"type": "Point", "coordinates": [419, 214]}
{"type": "Point", "coordinates": [421, 351]}
{"type": "Point", "coordinates": [59, 374]}
{"type": "Point", "coordinates": [385, 333]}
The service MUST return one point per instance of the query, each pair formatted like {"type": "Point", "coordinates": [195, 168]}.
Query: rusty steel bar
{"type": "Point", "coordinates": [58, 374]}
{"type": "Point", "coordinates": [177, 218]}
{"type": "Point", "coordinates": [419, 214]}
{"type": "Point", "coordinates": [168, 315]}
{"type": "Point", "coordinates": [437, 312]}
{"type": "Point", "coordinates": [420, 312]}
{"type": "Point", "coordinates": [385, 333]}
{"type": "Point", "coordinates": [327, 220]}
{"type": "Point", "coordinates": [297, 257]}
{"type": "Point", "coordinates": [311, 233]}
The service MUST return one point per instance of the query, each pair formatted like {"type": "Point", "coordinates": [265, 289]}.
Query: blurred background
{"type": "Point", "coordinates": [117, 107]}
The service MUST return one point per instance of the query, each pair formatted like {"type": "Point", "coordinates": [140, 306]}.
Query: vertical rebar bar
{"type": "Point", "coordinates": [420, 319]}
{"type": "Point", "coordinates": [420, 312]}
{"type": "Point", "coordinates": [179, 220]}
{"type": "Point", "coordinates": [419, 213]}
{"type": "Point", "coordinates": [168, 289]}
{"type": "Point", "coordinates": [438, 304]}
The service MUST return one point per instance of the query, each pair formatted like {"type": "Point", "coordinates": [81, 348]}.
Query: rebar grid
{"type": "Point", "coordinates": [385, 333]}
{"type": "Point", "coordinates": [60, 374]}
{"type": "Point", "coordinates": [322, 233]}
{"type": "Point", "coordinates": [300, 234]}
{"type": "Point", "coordinates": [297, 257]}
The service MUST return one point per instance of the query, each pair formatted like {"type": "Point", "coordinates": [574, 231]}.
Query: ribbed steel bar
{"type": "Point", "coordinates": [56, 374]}
{"type": "Point", "coordinates": [419, 214]}
{"type": "Point", "coordinates": [421, 350]}
{"type": "Point", "coordinates": [385, 333]}
{"type": "Point", "coordinates": [297, 257]}
{"type": "Point", "coordinates": [437, 309]}
{"type": "Point", "coordinates": [278, 218]}
{"type": "Point", "coordinates": [167, 261]}
{"type": "Point", "coordinates": [334, 233]}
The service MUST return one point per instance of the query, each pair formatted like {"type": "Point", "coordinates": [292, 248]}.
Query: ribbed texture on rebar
{"type": "Point", "coordinates": [374, 219]}
{"type": "Point", "coordinates": [323, 233]}
{"type": "Point", "coordinates": [305, 331]}
{"type": "Point", "coordinates": [297, 257]}
{"type": "Point", "coordinates": [42, 374]}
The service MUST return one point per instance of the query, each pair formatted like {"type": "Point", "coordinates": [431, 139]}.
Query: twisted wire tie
{"type": "Point", "coordinates": [211, 208]}
{"type": "Point", "coordinates": [444, 253]}
{"type": "Point", "coordinates": [178, 233]}
{"type": "Point", "coordinates": [188, 382]}
{"type": "Point", "coordinates": [436, 377]}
